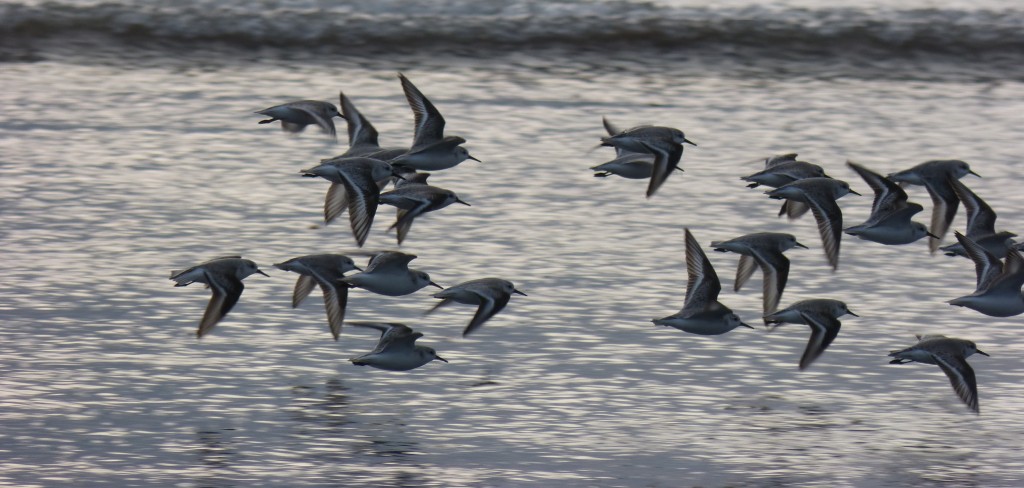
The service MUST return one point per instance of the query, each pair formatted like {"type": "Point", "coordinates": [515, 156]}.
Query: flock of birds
{"type": "Point", "coordinates": [359, 176]}
{"type": "Point", "coordinates": [654, 152]}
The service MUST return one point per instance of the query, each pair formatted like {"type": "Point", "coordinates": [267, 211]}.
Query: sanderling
{"type": "Point", "coordinates": [627, 164]}
{"type": "Point", "coordinates": [224, 277]}
{"type": "Point", "coordinates": [409, 176]}
{"type": "Point", "coordinates": [295, 116]}
{"type": "Point", "coordinates": [950, 355]}
{"type": "Point", "coordinates": [491, 294]}
{"type": "Point", "coordinates": [934, 175]}
{"type": "Point", "coordinates": [354, 184]}
{"type": "Point", "coordinates": [821, 194]}
{"type": "Point", "coordinates": [702, 313]}
{"type": "Point", "coordinates": [388, 274]}
{"type": "Point", "coordinates": [783, 173]}
{"type": "Point", "coordinates": [665, 143]}
{"type": "Point", "coordinates": [997, 292]}
{"type": "Point", "coordinates": [764, 250]}
{"type": "Point", "coordinates": [431, 150]}
{"type": "Point", "coordinates": [981, 225]}
{"type": "Point", "coordinates": [821, 314]}
{"type": "Point", "coordinates": [889, 222]}
{"type": "Point", "coordinates": [634, 166]}
{"type": "Point", "coordinates": [324, 270]}
{"type": "Point", "coordinates": [781, 170]}
{"type": "Point", "coordinates": [396, 349]}
{"type": "Point", "coordinates": [415, 200]}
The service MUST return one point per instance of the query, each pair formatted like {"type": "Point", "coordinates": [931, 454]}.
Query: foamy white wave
{"type": "Point", "coordinates": [413, 23]}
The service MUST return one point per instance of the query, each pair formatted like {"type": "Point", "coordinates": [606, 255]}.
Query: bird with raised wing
{"type": "Point", "coordinates": [431, 150]}
{"type": "Point", "coordinates": [935, 176]}
{"type": "Point", "coordinates": [889, 222]}
{"type": "Point", "coordinates": [702, 313]}
{"type": "Point", "coordinates": [981, 225]}
{"type": "Point", "coordinates": [997, 291]}
{"type": "Point", "coordinates": [396, 349]}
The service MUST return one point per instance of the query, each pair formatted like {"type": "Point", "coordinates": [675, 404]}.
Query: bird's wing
{"type": "Point", "coordinates": [961, 376]}
{"type": "Point", "coordinates": [987, 267]}
{"type": "Point", "coordinates": [226, 292]}
{"type": "Point", "coordinates": [335, 202]}
{"type": "Point", "coordinates": [389, 260]}
{"type": "Point", "coordinates": [303, 286]}
{"type": "Point", "coordinates": [335, 300]}
{"type": "Point", "coordinates": [830, 225]}
{"type": "Point", "coordinates": [363, 198]}
{"type": "Point", "coordinates": [888, 195]}
{"type": "Point", "coordinates": [361, 133]}
{"type": "Point", "coordinates": [702, 285]}
{"type": "Point", "coordinates": [317, 113]}
{"type": "Point", "coordinates": [945, 203]}
{"type": "Point", "coordinates": [666, 159]}
{"type": "Point", "coordinates": [429, 124]}
{"type": "Point", "coordinates": [981, 219]}
{"type": "Point", "coordinates": [744, 271]}
{"type": "Point", "coordinates": [775, 268]}
{"type": "Point", "coordinates": [489, 305]}
{"type": "Point", "coordinates": [824, 329]}
{"type": "Point", "coordinates": [1012, 277]}
{"type": "Point", "coordinates": [392, 335]}
{"type": "Point", "coordinates": [899, 216]}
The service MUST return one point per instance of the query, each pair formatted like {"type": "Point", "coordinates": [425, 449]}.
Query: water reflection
{"type": "Point", "coordinates": [215, 448]}
{"type": "Point", "coordinates": [327, 405]}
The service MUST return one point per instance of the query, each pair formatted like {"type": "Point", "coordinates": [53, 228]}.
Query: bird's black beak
{"type": "Point", "coordinates": [933, 236]}
{"type": "Point", "coordinates": [260, 271]}
{"type": "Point", "coordinates": [518, 292]}
{"type": "Point", "coordinates": [439, 358]}
{"type": "Point", "coordinates": [983, 353]}
{"type": "Point", "coordinates": [437, 285]}
{"type": "Point", "coordinates": [357, 268]}
{"type": "Point", "coordinates": [474, 159]}
{"type": "Point", "coordinates": [742, 323]}
{"type": "Point", "coordinates": [851, 313]}
{"type": "Point", "coordinates": [396, 175]}
{"type": "Point", "coordinates": [457, 200]}
{"type": "Point", "coordinates": [855, 193]}
{"type": "Point", "coordinates": [800, 246]}
{"type": "Point", "coordinates": [979, 176]}
{"type": "Point", "coordinates": [689, 142]}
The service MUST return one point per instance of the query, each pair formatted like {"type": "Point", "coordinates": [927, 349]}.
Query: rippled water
{"type": "Point", "coordinates": [117, 167]}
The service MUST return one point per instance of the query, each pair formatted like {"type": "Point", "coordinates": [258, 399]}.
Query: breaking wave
{"type": "Point", "coordinates": [411, 24]}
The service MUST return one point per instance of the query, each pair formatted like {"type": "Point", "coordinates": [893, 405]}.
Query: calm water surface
{"type": "Point", "coordinates": [116, 167]}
